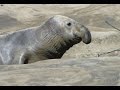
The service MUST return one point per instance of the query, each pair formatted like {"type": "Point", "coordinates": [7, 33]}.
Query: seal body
{"type": "Point", "coordinates": [48, 41]}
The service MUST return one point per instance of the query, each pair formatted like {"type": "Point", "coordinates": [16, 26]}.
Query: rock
{"type": "Point", "coordinates": [64, 72]}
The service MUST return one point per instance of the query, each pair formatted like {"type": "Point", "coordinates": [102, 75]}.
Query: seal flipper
{"type": "Point", "coordinates": [24, 59]}
{"type": "Point", "coordinates": [20, 59]}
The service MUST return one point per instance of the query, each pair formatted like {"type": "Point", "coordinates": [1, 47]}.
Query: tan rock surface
{"type": "Point", "coordinates": [64, 72]}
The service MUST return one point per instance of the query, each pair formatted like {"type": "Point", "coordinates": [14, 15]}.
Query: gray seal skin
{"type": "Point", "coordinates": [48, 41]}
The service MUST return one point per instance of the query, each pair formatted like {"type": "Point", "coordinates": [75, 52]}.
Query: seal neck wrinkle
{"type": "Point", "coordinates": [53, 43]}
{"type": "Point", "coordinates": [57, 47]}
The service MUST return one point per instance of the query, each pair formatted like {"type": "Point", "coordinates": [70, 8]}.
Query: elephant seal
{"type": "Point", "coordinates": [47, 41]}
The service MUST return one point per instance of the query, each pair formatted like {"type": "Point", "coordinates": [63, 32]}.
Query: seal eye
{"type": "Point", "coordinates": [69, 24]}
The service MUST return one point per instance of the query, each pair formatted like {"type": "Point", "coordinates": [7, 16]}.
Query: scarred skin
{"type": "Point", "coordinates": [48, 41]}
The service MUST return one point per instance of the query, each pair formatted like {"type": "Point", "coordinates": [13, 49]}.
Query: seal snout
{"type": "Point", "coordinates": [85, 34]}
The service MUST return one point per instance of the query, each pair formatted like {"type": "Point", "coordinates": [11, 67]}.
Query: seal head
{"type": "Point", "coordinates": [71, 29]}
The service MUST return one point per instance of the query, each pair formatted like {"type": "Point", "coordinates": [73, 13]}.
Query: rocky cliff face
{"type": "Point", "coordinates": [67, 71]}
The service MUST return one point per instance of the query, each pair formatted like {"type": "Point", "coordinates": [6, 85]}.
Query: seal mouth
{"type": "Point", "coordinates": [76, 39]}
